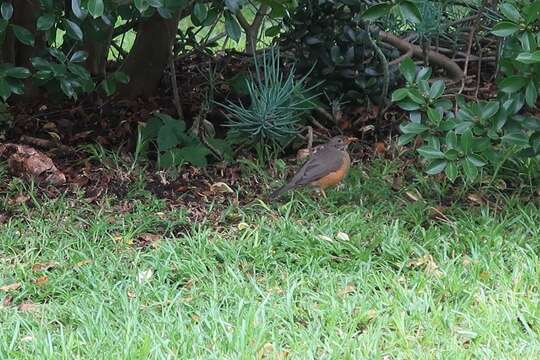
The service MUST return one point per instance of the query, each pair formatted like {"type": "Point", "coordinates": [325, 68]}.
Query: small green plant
{"type": "Point", "coordinates": [459, 142]}
{"type": "Point", "coordinates": [277, 102]}
{"type": "Point", "coordinates": [174, 145]}
{"type": "Point", "coordinates": [11, 80]}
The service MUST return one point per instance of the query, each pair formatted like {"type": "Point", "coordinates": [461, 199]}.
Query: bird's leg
{"type": "Point", "coordinates": [323, 193]}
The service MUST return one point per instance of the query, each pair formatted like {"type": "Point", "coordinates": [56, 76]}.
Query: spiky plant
{"type": "Point", "coordinates": [277, 101]}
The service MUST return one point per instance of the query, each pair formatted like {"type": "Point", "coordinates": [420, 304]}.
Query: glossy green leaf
{"type": "Point", "coordinates": [45, 22]}
{"type": "Point", "coordinates": [413, 128]}
{"type": "Point", "coordinates": [529, 57]}
{"type": "Point", "coordinates": [200, 11]}
{"type": "Point", "coordinates": [466, 141]}
{"type": "Point", "coordinates": [511, 13]}
{"type": "Point", "coordinates": [505, 28]}
{"type": "Point", "coordinates": [377, 11]}
{"type": "Point", "coordinates": [513, 83]}
{"type": "Point", "coordinates": [408, 69]}
{"type": "Point", "coordinates": [6, 9]}
{"type": "Point", "coordinates": [410, 11]}
{"type": "Point", "coordinates": [17, 72]}
{"type": "Point", "coordinates": [96, 8]}
{"type": "Point", "coordinates": [437, 89]}
{"type": "Point", "coordinates": [436, 167]}
{"type": "Point", "coordinates": [475, 160]}
{"type": "Point", "coordinates": [471, 171]}
{"type": "Point", "coordinates": [531, 94]}
{"type": "Point", "coordinates": [73, 30]}
{"type": "Point", "coordinates": [429, 152]}
{"type": "Point", "coordinates": [434, 115]}
{"type": "Point", "coordinates": [23, 35]}
{"type": "Point", "coordinates": [451, 171]}
{"type": "Point", "coordinates": [400, 94]}
{"type": "Point", "coordinates": [79, 56]}
{"type": "Point", "coordinates": [5, 91]}
{"type": "Point", "coordinates": [232, 28]}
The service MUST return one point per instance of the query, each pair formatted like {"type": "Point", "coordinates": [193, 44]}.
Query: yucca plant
{"type": "Point", "coordinates": [277, 101]}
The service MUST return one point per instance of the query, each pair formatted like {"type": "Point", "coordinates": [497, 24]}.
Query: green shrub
{"type": "Point", "coordinates": [277, 102]}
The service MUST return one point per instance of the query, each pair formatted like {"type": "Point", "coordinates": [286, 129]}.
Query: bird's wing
{"type": "Point", "coordinates": [322, 163]}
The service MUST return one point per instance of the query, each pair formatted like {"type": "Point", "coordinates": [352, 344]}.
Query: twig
{"type": "Point", "coordinates": [478, 73]}
{"type": "Point", "coordinates": [310, 140]}
{"type": "Point", "coordinates": [469, 46]}
{"type": "Point", "coordinates": [174, 83]}
{"type": "Point", "coordinates": [386, 74]}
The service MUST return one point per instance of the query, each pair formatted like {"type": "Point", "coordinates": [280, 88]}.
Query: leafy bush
{"type": "Point", "coordinates": [277, 102]}
{"type": "Point", "coordinates": [333, 37]}
{"type": "Point", "coordinates": [174, 145]}
{"type": "Point", "coordinates": [464, 141]}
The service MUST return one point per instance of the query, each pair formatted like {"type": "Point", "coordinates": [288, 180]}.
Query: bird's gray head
{"type": "Point", "coordinates": [341, 142]}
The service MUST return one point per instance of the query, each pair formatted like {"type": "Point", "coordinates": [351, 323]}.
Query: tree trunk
{"type": "Point", "coordinates": [149, 56]}
{"type": "Point", "coordinates": [98, 37]}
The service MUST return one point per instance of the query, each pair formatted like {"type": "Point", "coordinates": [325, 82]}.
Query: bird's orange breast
{"type": "Point", "coordinates": [335, 177]}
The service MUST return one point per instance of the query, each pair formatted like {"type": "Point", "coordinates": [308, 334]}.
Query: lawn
{"type": "Point", "coordinates": [367, 273]}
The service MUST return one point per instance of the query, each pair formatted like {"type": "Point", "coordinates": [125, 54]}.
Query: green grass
{"type": "Point", "coordinates": [403, 286]}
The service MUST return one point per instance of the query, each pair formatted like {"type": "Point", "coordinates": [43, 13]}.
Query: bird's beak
{"type": "Point", "coordinates": [351, 139]}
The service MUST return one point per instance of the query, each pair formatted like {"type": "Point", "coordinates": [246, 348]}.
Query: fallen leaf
{"type": "Point", "coordinates": [325, 238]}
{"type": "Point", "coordinates": [10, 287]}
{"type": "Point", "coordinates": [350, 288]}
{"type": "Point", "coordinates": [221, 187]}
{"type": "Point", "coordinates": [476, 198]}
{"type": "Point", "coordinates": [41, 280]}
{"type": "Point", "coordinates": [28, 306]}
{"type": "Point", "coordinates": [25, 161]}
{"type": "Point", "coordinates": [265, 350]}
{"type": "Point", "coordinates": [195, 318]}
{"type": "Point", "coordinates": [242, 226]}
{"type": "Point", "coordinates": [145, 240]}
{"type": "Point", "coordinates": [379, 148]}
{"type": "Point", "coordinates": [144, 276]}
{"type": "Point", "coordinates": [342, 236]}
{"type": "Point", "coordinates": [428, 263]}
{"type": "Point", "coordinates": [44, 266]}
{"type": "Point", "coordinates": [27, 338]}
{"type": "Point", "coordinates": [372, 314]}
{"type": "Point", "coordinates": [131, 295]}
{"type": "Point", "coordinates": [414, 195]}
{"type": "Point", "coordinates": [19, 199]}
{"type": "Point", "coordinates": [82, 263]}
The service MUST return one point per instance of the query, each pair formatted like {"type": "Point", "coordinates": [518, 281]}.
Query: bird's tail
{"type": "Point", "coordinates": [282, 190]}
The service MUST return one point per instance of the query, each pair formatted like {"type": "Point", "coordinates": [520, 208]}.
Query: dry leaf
{"type": "Point", "coordinates": [265, 350]}
{"type": "Point", "coordinates": [144, 276]}
{"type": "Point", "coordinates": [350, 288]}
{"type": "Point", "coordinates": [82, 263]}
{"type": "Point", "coordinates": [27, 338]}
{"type": "Point", "coordinates": [325, 238]}
{"type": "Point", "coordinates": [25, 161]}
{"type": "Point", "coordinates": [379, 148]}
{"type": "Point", "coordinates": [342, 236]}
{"type": "Point", "coordinates": [41, 280]}
{"type": "Point", "coordinates": [44, 266]}
{"type": "Point", "coordinates": [413, 195]}
{"type": "Point", "coordinates": [428, 263]}
{"type": "Point", "coordinates": [145, 240]}
{"type": "Point", "coordinates": [19, 199]}
{"type": "Point", "coordinates": [28, 306]}
{"type": "Point", "coordinates": [131, 295]}
{"type": "Point", "coordinates": [221, 187]}
{"type": "Point", "coordinates": [7, 301]}
{"type": "Point", "coordinates": [476, 198]}
{"type": "Point", "coordinates": [195, 318]}
{"type": "Point", "coordinates": [242, 226]}
{"type": "Point", "coordinates": [10, 287]}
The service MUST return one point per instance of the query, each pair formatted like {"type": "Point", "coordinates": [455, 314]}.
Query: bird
{"type": "Point", "coordinates": [326, 167]}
